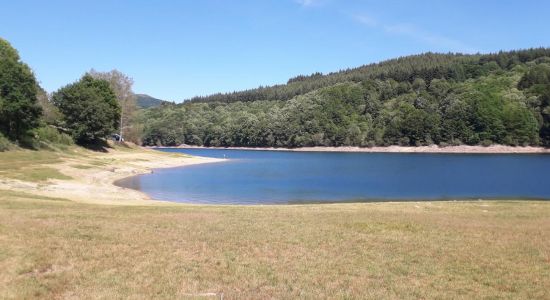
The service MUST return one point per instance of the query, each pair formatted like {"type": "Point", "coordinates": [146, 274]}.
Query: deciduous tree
{"type": "Point", "coordinates": [19, 111]}
{"type": "Point", "coordinates": [90, 109]}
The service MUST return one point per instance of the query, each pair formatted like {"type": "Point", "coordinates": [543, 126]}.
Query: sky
{"type": "Point", "coordinates": [175, 50]}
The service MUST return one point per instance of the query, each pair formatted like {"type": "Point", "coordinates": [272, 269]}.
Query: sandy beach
{"type": "Point", "coordinates": [494, 149]}
{"type": "Point", "coordinates": [92, 176]}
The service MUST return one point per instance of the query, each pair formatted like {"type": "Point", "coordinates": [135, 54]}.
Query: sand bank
{"type": "Point", "coordinates": [494, 149]}
{"type": "Point", "coordinates": [93, 176]}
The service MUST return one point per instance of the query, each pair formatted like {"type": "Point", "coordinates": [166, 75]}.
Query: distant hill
{"type": "Point", "coordinates": [427, 66]}
{"type": "Point", "coordinates": [442, 99]}
{"type": "Point", "coordinates": [146, 101]}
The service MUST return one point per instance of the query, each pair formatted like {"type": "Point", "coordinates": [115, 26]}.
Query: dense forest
{"type": "Point", "coordinates": [444, 99]}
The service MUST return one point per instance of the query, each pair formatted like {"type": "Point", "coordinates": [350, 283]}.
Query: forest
{"type": "Point", "coordinates": [442, 99]}
{"type": "Point", "coordinates": [427, 99]}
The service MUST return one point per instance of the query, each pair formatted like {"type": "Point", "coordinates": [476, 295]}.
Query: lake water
{"type": "Point", "coordinates": [270, 177]}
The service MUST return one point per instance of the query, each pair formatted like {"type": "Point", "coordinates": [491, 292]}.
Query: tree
{"type": "Point", "coordinates": [121, 84]}
{"type": "Point", "coordinates": [19, 111]}
{"type": "Point", "coordinates": [50, 113]}
{"type": "Point", "coordinates": [90, 109]}
{"type": "Point", "coordinates": [537, 82]}
{"type": "Point", "coordinates": [540, 74]}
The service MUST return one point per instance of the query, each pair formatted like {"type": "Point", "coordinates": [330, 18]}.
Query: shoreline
{"type": "Point", "coordinates": [463, 149]}
{"type": "Point", "coordinates": [148, 168]}
{"type": "Point", "coordinates": [93, 176]}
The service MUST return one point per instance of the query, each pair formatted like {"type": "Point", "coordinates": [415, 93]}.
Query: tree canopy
{"type": "Point", "coordinates": [90, 109]}
{"type": "Point", "coordinates": [121, 84]}
{"type": "Point", "coordinates": [19, 111]}
{"type": "Point", "coordinates": [445, 99]}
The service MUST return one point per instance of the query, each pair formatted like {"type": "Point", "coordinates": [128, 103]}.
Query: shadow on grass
{"type": "Point", "coordinates": [97, 145]}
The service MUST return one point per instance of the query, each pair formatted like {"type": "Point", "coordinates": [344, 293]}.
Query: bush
{"type": "Point", "coordinates": [29, 141]}
{"type": "Point", "coordinates": [404, 141]}
{"type": "Point", "coordinates": [50, 135]}
{"type": "Point", "coordinates": [4, 143]}
{"type": "Point", "coordinates": [456, 142]}
{"type": "Point", "coordinates": [486, 143]}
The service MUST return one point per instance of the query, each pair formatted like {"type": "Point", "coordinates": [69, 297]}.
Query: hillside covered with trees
{"type": "Point", "coordinates": [146, 101]}
{"type": "Point", "coordinates": [444, 99]}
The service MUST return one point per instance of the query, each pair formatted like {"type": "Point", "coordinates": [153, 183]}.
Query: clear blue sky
{"type": "Point", "coordinates": [178, 49]}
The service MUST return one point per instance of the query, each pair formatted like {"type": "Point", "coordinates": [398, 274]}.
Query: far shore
{"type": "Point", "coordinates": [493, 149]}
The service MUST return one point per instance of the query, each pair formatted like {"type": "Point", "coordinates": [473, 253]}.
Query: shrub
{"type": "Point", "coordinates": [486, 143]}
{"type": "Point", "coordinates": [456, 142]}
{"type": "Point", "coordinates": [4, 143]}
{"type": "Point", "coordinates": [404, 141]}
{"type": "Point", "coordinates": [50, 135]}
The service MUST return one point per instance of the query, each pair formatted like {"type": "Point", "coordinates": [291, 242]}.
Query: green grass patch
{"type": "Point", "coordinates": [15, 160]}
{"type": "Point", "coordinates": [83, 167]}
{"type": "Point", "coordinates": [100, 163]}
{"type": "Point", "coordinates": [173, 154]}
{"type": "Point", "coordinates": [22, 195]}
{"type": "Point", "coordinates": [36, 174]}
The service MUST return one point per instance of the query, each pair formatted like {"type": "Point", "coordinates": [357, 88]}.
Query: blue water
{"type": "Point", "coordinates": [269, 177]}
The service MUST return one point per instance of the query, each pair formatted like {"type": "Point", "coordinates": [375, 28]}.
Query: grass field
{"type": "Point", "coordinates": [29, 165]}
{"type": "Point", "coordinates": [53, 244]}
{"type": "Point", "coordinates": [52, 248]}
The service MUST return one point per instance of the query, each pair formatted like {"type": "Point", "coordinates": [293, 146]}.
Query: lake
{"type": "Point", "coordinates": [277, 177]}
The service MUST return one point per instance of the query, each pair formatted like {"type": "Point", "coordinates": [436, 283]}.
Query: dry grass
{"type": "Point", "coordinates": [57, 249]}
{"type": "Point", "coordinates": [30, 166]}
{"type": "Point", "coordinates": [54, 248]}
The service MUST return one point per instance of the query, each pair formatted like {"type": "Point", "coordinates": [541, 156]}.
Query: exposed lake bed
{"type": "Point", "coordinates": [491, 149]}
{"type": "Point", "coordinates": [281, 177]}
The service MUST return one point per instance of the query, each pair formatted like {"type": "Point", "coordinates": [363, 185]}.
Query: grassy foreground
{"type": "Point", "coordinates": [59, 240]}
{"type": "Point", "coordinates": [53, 248]}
